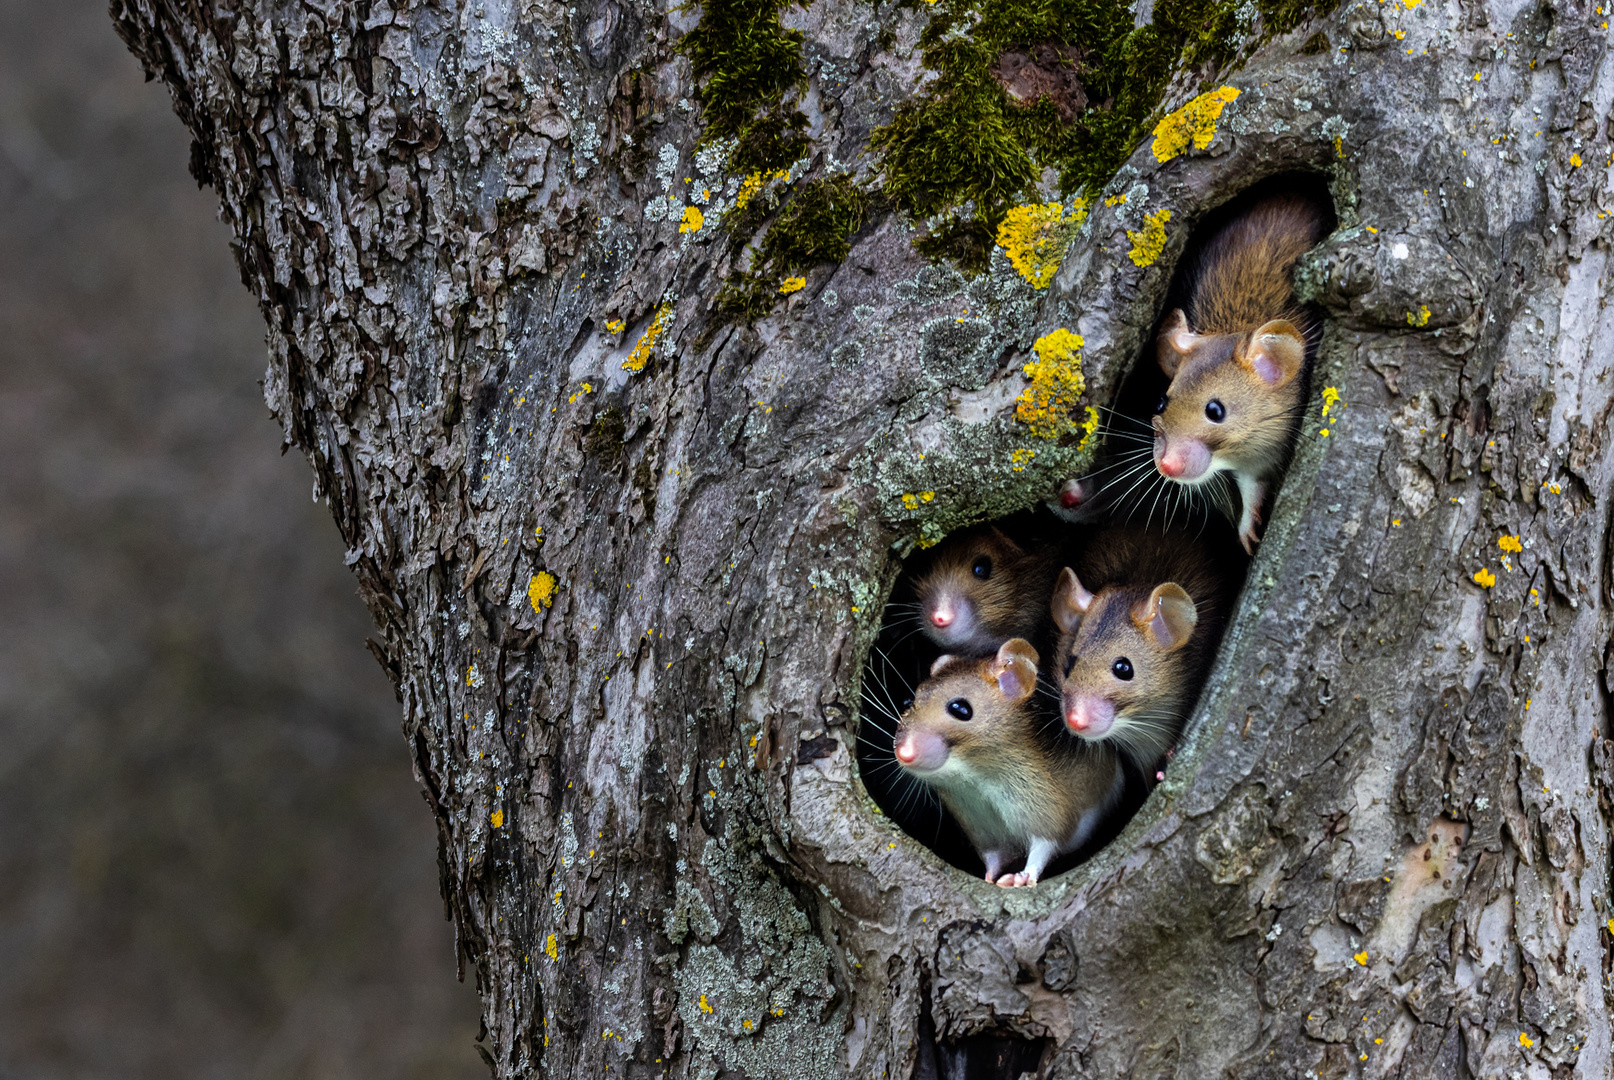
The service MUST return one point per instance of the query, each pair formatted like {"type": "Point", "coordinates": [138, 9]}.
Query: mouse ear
{"type": "Point", "coordinates": [1015, 669]}
{"type": "Point", "coordinates": [1070, 601]}
{"type": "Point", "coordinates": [941, 661]}
{"type": "Point", "coordinates": [1003, 538]}
{"type": "Point", "coordinates": [1175, 342]}
{"type": "Point", "coordinates": [1275, 353]}
{"type": "Point", "coordinates": [1168, 616]}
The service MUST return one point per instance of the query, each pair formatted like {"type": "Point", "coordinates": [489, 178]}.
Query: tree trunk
{"type": "Point", "coordinates": [627, 550]}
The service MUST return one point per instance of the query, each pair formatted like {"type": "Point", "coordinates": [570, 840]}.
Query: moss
{"type": "Point", "coordinates": [964, 152]}
{"type": "Point", "coordinates": [1316, 44]}
{"type": "Point", "coordinates": [604, 438]}
{"type": "Point", "coordinates": [814, 228]}
{"type": "Point", "coordinates": [746, 61]}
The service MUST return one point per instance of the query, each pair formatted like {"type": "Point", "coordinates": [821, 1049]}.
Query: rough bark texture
{"type": "Point", "coordinates": [1383, 849]}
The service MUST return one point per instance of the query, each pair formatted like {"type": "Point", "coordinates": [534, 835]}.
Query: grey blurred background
{"type": "Point", "coordinates": [213, 858]}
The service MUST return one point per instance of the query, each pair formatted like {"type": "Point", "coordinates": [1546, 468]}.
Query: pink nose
{"type": "Point", "coordinates": [1090, 717]}
{"type": "Point", "coordinates": [920, 751]}
{"type": "Point", "coordinates": [1171, 464]}
{"type": "Point", "coordinates": [907, 751]}
{"type": "Point", "coordinates": [1071, 495]}
{"type": "Point", "coordinates": [942, 617]}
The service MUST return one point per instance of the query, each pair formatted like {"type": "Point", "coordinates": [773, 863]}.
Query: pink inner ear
{"type": "Point", "coordinates": [1266, 369]}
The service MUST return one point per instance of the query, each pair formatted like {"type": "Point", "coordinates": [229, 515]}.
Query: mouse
{"type": "Point", "coordinates": [980, 588]}
{"type": "Point", "coordinates": [1138, 624]}
{"type": "Point", "coordinates": [975, 735]}
{"type": "Point", "coordinates": [1238, 357]}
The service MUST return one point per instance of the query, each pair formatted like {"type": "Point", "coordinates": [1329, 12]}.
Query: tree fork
{"type": "Point", "coordinates": [625, 584]}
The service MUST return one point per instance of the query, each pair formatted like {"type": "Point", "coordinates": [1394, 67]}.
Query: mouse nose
{"type": "Point", "coordinates": [1170, 463]}
{"type": "Point", "coordinates": [1090, 717]}
{"type": "Point", "coordinates": [943, 616]}
{"type": "Point", "coordinates": [906, 751]}
{"type": "Point", "coordinates": [1071, 495]}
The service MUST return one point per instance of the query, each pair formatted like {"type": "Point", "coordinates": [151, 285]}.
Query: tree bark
{"type": "Point", "coordinates": [626, 596]}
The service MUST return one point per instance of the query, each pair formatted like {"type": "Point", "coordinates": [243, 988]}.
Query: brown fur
{"type": "Point", "coordinates": [1016, 777]}
{"type": "Point", "coordinates": [1121, 567]}
{"type": "Point", "coordinates": [1244, 276]}
{"type": "Point", "coordinates": [1010, 603]}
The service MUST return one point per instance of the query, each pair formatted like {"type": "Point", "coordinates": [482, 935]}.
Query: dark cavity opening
{"type": "Point", "coordinates": [903, 655]}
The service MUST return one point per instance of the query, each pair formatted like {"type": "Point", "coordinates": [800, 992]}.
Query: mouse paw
{"type": "Point", "coordinates": [1017, 880]}
{"type": "Point", "coordinates": [1249, 538]}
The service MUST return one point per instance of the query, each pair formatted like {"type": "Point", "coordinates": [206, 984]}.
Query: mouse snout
{"type": "Point", "coordinates": [1180, 459]}
{"type": "Point", "coordinates": [1072, 495]}
{"type": "Point", "coordinates": [942, 614]}
{"type": "Point", "coordinates": [1089, 716]}
{"type": "Point", "coordinates": [920, 751]}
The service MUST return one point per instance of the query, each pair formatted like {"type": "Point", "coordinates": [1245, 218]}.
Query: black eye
{"type": "Point", "coordinates": [1070, 663]}
{"type": "Point", "coordinates": [960, 709]}
{"type": "Point", "coordinates": [1160, 406]}
{"type": "Point", "coordinates": [907, 703]}
{"type": "Point", "coordinates": [1215, 411]}
{"type": "Point", "coordinates": [1122, 668]}
{"type": "Point", "coordinates": [982, 568]}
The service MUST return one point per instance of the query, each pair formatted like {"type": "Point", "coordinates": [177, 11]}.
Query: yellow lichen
{"type": "Point", "coordinates": [1194, 123]}
{"type": "Point", "coordinates": [1421, 318]}
{"type": "Point", "coordinates": [1056, 383]}
{"type": "Point", "coordinates": [496, 818]}
{"type": "Point", "coordinates": [640, 356]}
{"type": "Point", "coordinates": [1361, 958]}
{"type": "Point", "coordinates": [550, 949]}
{"type": "Point", "coordinates": [1330, 398]}
{"type": "Point", "coordinates": [1484, 578]}
{"type": "Point", "coordinates": [1510, 543]}
{"type": "Point", "coordinates": [1525, 1041]}
{"type": "Point", "coordinates": [614, 326]}
{"type": "Point", "coordinates": [705, 1008]}
{"type": "Point", "coordinates": [1089, 426]}
{"type": "Point", "coordinates": [911, 500]}
{"type": "Point", "coordinates": [693, 220]}
{"type": "Point", "coordinates": [541, 590]}
{"type": "Point", "coordinates": [1149, 241]}
{"type": "Point", "coordinates": [1034, 239]}
{"type": "Point", "coordinates": [1020, 458]}
{"type": "Point", "coordinates": [792, 285]}
{"type": "Point", "coordinates": [1574, 160]}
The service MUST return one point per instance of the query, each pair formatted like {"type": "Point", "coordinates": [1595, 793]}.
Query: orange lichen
{"type": "Point", "coordinates": [1194, 123]}
{"type": "Point", "coordinates": [1056, 383]}
{"type": "Point", "coordinates": [496, 818]}
{"type": "Point", "coordinates": [1149, 241]}
{"type": "Point", "coordinates": [640, 356]}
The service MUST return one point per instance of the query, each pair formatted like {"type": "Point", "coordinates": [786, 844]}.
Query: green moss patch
{"type": "Point", "coordinates": [745, 61]}
{"type": "Point", "coordinates": [814, 228]}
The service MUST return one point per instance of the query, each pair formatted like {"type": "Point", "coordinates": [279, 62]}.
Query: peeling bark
{"type": "Point", "coordinates": [626, 607]}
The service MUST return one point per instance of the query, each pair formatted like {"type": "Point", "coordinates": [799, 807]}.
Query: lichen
{"type": "Point", "coordinates": [1484, 578]}
{"type": "Point", "coordinates": [1034, 238]}
{"type": "Point", "coordinates": [1193, 124]}
{"type": "Point", "coordinates": [541, 590]}
{"type": "Point", "coordinates": [640, 356]}
{"type": "Point", "coordinates": [692, 221]}
{"type": "Point", "coordinates": [1149, 241]}
{"type": "Point", "coordinates": [792, 285]}
{"type": "Point", "coordinates": [1046, 406]}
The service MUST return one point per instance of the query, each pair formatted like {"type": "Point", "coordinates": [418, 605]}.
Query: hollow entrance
{"type": "Point", "coordinates": [901, 659]}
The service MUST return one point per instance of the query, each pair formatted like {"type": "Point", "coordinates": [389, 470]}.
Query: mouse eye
{"type": "Point", "coordinates": [907, 703]}
{"type": "Point", "coordinates": [1070, 664]}
{"type": "Point", "coordinates": [960, 709]}
{"type": "Point", "coordinates": [1122, 668]}
{"type": "Point", "coordinates": [1215, 411]}
{"type": "Point", "coordinates": [1160, 406]}
{"type": "Point", "coordinates": [982, 568]}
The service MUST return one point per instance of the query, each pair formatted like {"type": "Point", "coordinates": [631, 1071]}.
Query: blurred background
{"type": "Point", "coordinates": [214, 861]}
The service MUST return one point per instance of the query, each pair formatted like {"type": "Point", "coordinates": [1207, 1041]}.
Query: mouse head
{"type": "Point", "coordinates": [967, 709]}
{"type": "Point", "coordinates": [1232, 398]}
{"type": "Point", "coordinates": [1122, 663]}
{"type": "Point", "coordinates": [972, 594]}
